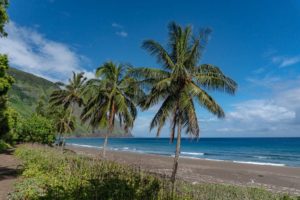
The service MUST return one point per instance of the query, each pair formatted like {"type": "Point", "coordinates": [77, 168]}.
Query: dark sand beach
{"type": "Point", "coordinates": [274, 178]}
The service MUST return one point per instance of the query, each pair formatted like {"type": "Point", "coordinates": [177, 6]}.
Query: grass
{"type": "Point", "coordinates": [49, 174]}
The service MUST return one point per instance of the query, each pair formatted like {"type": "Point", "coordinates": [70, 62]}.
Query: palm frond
{"type": "Point", "coordinates": [205, 100]}
{"type": "Point", "coordinates": [212, 78]}
{"type": "Point", "coordinates": [161, 54]}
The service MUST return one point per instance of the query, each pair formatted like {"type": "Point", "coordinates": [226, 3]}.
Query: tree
{"type": "Point", "coordinates": [62, 121]}
{"type": "Point", "coordinates": [5, 83]}
{"type": "Point", "coordinates": [59, 116]}
{"type": "Point", "coordinates": [14, 123]}
{"type": "Point", "coordinates": [70, 95]}
{"type": "Point", "coordinates": [3, 17]}
{"type": "Point", "coordinates": [112, 95]}
{"type": "Point", "coordinates": [37, 129]}
{"type": "Point", "coordinates": [41, 107]}
{"type": "Point", "coordinates": [181, 83]}
{"type": "Point", "coordinates": [5, 80]}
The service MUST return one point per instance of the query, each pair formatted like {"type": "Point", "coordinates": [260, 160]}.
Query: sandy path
{"type": "Point", "coordinates": [8, 173]}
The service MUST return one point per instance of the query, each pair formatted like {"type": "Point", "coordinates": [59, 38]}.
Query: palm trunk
{"type": "Point", "coordinates": [175, 165]}
{"type": "Point", "coordinates": [69, 121]}
{"type": "Point", "coordinates": [63, 144]}
{"type": "Point", "coordinates": [104, 145]}
{"type": "Point", "coordinates": [59, 138]}
{"type": "Point", "coordinates": [110, 128]}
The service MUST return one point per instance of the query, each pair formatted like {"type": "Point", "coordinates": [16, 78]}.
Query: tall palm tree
{"type": "Point", "coordinates": [112, 96]}
{"type": "Point", "coordinates": [181, 83]}
{"type": "Point", "coordinates": [70, 95]}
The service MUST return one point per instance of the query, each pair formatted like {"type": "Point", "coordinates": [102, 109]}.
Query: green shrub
{"type": "Point", "coordinates": [36, 129]}
{"type": "Point", "coordinates": [4, 146]}
{"type": "Point", "coordinates": [14, 123]}
{"type": "Point", "coordinates": [50, 174]}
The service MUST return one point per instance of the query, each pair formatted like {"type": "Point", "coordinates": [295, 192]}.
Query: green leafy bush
{"type": "Point", "coordinates": [3, 146]}
{"type": "Point", "coordinates": [50, 174]}
{"type": "Point", "coordinates": [36, 129]}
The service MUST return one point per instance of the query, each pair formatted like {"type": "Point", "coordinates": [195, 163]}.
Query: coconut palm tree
{"type": "Point", "coordinates": [181, 83]}
{"type": "Point", "coordinates": [62, 121]}
{"type": "Point", "coordinates": [111, 96]}
{"type": "Point", "coordinates": [70, 95]}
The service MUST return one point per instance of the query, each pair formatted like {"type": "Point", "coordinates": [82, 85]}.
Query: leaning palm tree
{"type": "Point", "coordinates": [112, 96]}
{"type": "Point", "coordinates": [181, 83]}
{"type": "Point", "coordinates": [70, 95]}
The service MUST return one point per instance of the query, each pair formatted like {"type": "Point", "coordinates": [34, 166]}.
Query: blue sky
{"type": "Point", "coordinates": [256, 43]}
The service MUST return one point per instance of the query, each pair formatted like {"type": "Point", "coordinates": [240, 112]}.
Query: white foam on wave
{"type": "Point", "coordinates": [260, 157]}
{"type": "Point", "coordinates": [214, 160]}
{"type": "Point", "coordinates": [192, 153]}
{"type": "Point", "coordinates": [190, 157]}
{"type": "Point", "coordinates": [84, 145]}
{"type": "Point", "coordinates": [259, 163]}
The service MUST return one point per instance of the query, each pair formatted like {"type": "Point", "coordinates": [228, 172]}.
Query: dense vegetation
{"type": "Point", "coordinates": [30, 94]}
{"type": "Point", "coordinates": [27, 90]}
{"type": "Point", "coordinates": [49, 174]}
{"type": "Point", "coordinates": [5, 81]}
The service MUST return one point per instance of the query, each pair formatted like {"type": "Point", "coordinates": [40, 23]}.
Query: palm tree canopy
{"type": "Point", "coordinates": [112, 95]}
{"type": "Point", "coordinates": [182, 81]}
{"type": "Point", "coordinates": [70, 93]}
{"type": "Point", "coordinates": [62, 120]}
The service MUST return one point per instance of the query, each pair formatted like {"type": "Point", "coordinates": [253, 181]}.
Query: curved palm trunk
{"type": "Point", "coordinates": [176, 158]}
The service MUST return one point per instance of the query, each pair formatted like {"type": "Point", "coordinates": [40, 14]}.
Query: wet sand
{"type": "Point", "coordinates": [274, 178]}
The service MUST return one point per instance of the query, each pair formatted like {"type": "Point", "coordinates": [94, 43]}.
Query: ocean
{"type": "Point", "coordinates": [260, 151]}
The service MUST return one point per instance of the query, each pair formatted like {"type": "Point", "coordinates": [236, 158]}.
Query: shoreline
{"type": "Point", "coordinates": [283, 179]}
{"type": "Point", "coordinates": [187, 155]}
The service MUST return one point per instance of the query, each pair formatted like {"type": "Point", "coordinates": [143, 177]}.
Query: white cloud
{"type": "Point", "coordinates": [116, 25]}
{"type": "Point", "coordinates": [285, 61]}
{"type": "Point", "coordinates": [120, 30]}
{"type": "Point", "coordinates": [122, 33]}
{"type": "Point", "coordinates": [267, 81]}
{"type": "Point", "coordinates": [278, 115]}
{"type": "Point", "coordinates": [262, 111]}
{"type": "Point", "coordinates": [289, 98]}
{"type": "Point", "coordinates": [32, 52]}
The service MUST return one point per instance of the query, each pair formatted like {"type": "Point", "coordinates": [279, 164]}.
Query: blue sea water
{"type": "Point", "coordinates": [261, 151]}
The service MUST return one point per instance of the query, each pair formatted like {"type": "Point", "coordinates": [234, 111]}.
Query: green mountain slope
{"type": "Point", "coordinates": [27, 90]}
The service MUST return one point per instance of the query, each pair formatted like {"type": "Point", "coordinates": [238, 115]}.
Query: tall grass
{"type": "Point", "coordinates": [49, 174]}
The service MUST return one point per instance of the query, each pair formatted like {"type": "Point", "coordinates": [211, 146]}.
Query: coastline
{"type": "Point", "coordinates": [275, 178]}
{"type": "Point", "coordinates": [189, 154]}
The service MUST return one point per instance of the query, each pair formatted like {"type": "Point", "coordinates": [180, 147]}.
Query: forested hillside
{"type": "Point", "coordinates": [26, 92]}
